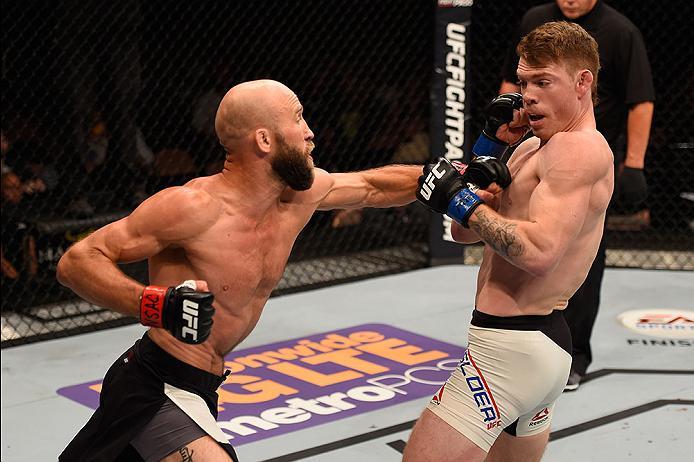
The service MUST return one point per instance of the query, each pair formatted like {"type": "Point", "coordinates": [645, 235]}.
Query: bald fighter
{"type": "Point", "coordinates": [541, 234]}
{"type": "Point", "coordinates": [216, 248]}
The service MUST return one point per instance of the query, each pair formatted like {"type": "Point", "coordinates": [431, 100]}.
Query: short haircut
{"type": "Point", "coordinates": [562, 42]}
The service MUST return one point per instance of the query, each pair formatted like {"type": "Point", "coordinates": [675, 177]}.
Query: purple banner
{"type": "Point", "coordinates": [294, 384]}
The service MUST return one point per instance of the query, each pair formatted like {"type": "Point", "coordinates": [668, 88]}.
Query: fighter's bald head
{"type": "Point", "coordinates": [249, 106]}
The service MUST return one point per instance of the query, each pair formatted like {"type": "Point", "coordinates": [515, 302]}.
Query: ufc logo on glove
{"type": "Point", "coordinates": [428, 185]}
{"type": "Point", "coordinates": [190, 316]}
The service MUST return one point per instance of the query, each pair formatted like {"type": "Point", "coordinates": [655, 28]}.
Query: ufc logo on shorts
{"type": "Point", "coordinates": [428, 185]}
{"type": "Point", "coordinates": [190, 316]}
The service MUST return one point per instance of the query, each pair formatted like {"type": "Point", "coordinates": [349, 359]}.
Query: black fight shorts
{"type": "Point", "coordinates": [142, 384]}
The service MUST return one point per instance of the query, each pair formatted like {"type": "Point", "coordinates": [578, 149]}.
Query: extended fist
{"type": "Point", "coordinates": [438, 183]}
{"type": "Point", "coordinates": [183, 310]}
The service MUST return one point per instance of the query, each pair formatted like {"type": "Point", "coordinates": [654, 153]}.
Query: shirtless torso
{"type": "Point", "coordinates": [241, 254]}
{"type": "Point", "coordinates": [546, 180]}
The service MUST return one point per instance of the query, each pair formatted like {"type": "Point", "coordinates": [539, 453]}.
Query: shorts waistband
{"type": "Point", "coordinates": [526, 322]}
{"type": "Point", "coordinates": [173, 370]}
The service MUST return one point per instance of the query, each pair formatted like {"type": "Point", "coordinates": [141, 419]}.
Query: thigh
{"type": "Point", "coordinates": [203, 449]}
{"type": "Point", "coordinates": [172, 435]}
{"type": "Point", "coordinates": [433, 440]}
{"type": "Point", "coordinates": [509, 448]}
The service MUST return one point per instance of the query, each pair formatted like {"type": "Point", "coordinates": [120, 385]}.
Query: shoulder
{"type": "Point", "coordinates": [585, 152]}
{"type": "Point", "coordinates": [187, 199]}
{"type": "Point", "coordinates": [322, 185]}
{"type": "Point", "coordinates": [617, 23]}
{"type": "Point", "coordinates": [187, 209]}
{"type": "Point", "coordinates": [519, 154]}
{"type": "Point", "coordinates": [528, 145]}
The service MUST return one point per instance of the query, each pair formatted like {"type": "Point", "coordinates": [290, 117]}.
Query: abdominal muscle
{"type": "Point", "coordinates": [505, 290]}
{"type": "Point", "coordinates": [228, 331]}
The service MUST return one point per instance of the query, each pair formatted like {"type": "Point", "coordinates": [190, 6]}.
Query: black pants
{"type": "Point", "coordinates": [582, 310]}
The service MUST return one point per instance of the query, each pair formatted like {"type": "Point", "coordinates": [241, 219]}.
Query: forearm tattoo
{"type": "Point", "coordinates": [186, 454]}
{"type": "Point", "coordinates": [501, 236]}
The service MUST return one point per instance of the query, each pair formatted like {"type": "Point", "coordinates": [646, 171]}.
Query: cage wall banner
{"type": "Point", "coordinates": [290, 385]}
{"type": "Point", "coordinates": [449, 110]}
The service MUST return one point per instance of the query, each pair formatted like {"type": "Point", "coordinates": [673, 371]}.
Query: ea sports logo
{"type": "Point", "coordinates": [660, 322]}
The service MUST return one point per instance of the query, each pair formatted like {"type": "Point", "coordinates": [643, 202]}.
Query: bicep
{"type": "Point", "coordinates": [559, 206]}
{"type": "Point", "coordinates": [168, 218]}
{"type": "Point", "coordinates": [125, 241]}
{"type": "Point", "coordinates": [346, 190]}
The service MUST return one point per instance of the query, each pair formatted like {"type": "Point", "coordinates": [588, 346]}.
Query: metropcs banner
{"type": "Point", "coordinates": [286, 386]}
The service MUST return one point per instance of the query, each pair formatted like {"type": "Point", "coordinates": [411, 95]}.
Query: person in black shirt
{"type": "Point", "coordinates": [625, 106]}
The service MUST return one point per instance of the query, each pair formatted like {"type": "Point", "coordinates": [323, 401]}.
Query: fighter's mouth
{"type": "Point", "coordinates": [310, 146]}
{"type": "Point", "coordinates": [535, 117]}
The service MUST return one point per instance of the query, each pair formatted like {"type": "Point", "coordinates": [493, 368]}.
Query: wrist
{"type": "Point", "coordinates": [462, 205]}
{"type": "Point", "coordinates": [634, 158]}
{"type": "Point", "coordinates": [152, 303]}
{"type": "Point", "coordinates": [638, 165]}
{"type": "Point", "coordinates": [488, 146]}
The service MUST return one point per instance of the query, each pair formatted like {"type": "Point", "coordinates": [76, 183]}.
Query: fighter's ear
{"type": "Point", "coordinates": [584, 82]}
{"type": "Point", "coordinates": [263, 140]}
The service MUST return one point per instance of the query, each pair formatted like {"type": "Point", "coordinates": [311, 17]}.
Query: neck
{"type": "Point", "coordinates": [252, 185]}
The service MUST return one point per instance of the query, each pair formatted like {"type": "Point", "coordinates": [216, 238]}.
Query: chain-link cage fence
{"type": "Point", "coordinates": [107, 103]}
{"type": "Point", "coordinates": [661, 234]}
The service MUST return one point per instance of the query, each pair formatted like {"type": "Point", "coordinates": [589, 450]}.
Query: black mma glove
{"type": "Point", "coordinates": [444, 189]}
{"type": "Point", "coordinates": [181, 310]}
{"type": "Point", "coordinates": [497, 113]}
{"type": "Point", "coordinates": [633, 189]}
{"type": "Point", "coordinates": [485, 170]}
{"type": "Point", "coordinates": [438, 183]}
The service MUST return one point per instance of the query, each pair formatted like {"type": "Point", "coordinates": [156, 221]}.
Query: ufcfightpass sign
{"type": "Point", "coordinates": [286, 386]}
{"type": "Point", "coordinates": [450, 112]}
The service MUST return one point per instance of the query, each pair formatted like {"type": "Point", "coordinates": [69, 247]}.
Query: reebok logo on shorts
{"type": "Point", "coordinates": [540, 418]}
{"type": "Point", "coordinates": [480, 392]}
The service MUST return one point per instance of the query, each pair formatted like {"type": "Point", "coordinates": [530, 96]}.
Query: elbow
{"type": "Point", "coordinates": [537, 270]}
{"type": "Point", "coordinates": [62, 271]}
{"type": "Point", "coordinates": [542, 265]}
{"type": "Point", "coordinates": [65, 267]}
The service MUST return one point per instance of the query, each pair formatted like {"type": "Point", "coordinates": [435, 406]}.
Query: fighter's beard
{"type": "Point", "coordinates": [293, 166]}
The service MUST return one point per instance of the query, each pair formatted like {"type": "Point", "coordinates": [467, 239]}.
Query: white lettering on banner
{"type": "Point", "coordinates": [454, 3]}
{"type": "Point", "coordinates": [455, 91]}
{"type": "Point", "coordinates": [301, 409]}
{"type": "Point", "coordinates": [455, 103]}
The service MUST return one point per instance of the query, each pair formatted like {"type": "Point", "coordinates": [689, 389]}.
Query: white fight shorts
{"type": "Point", "coordinates": [509, 379]}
